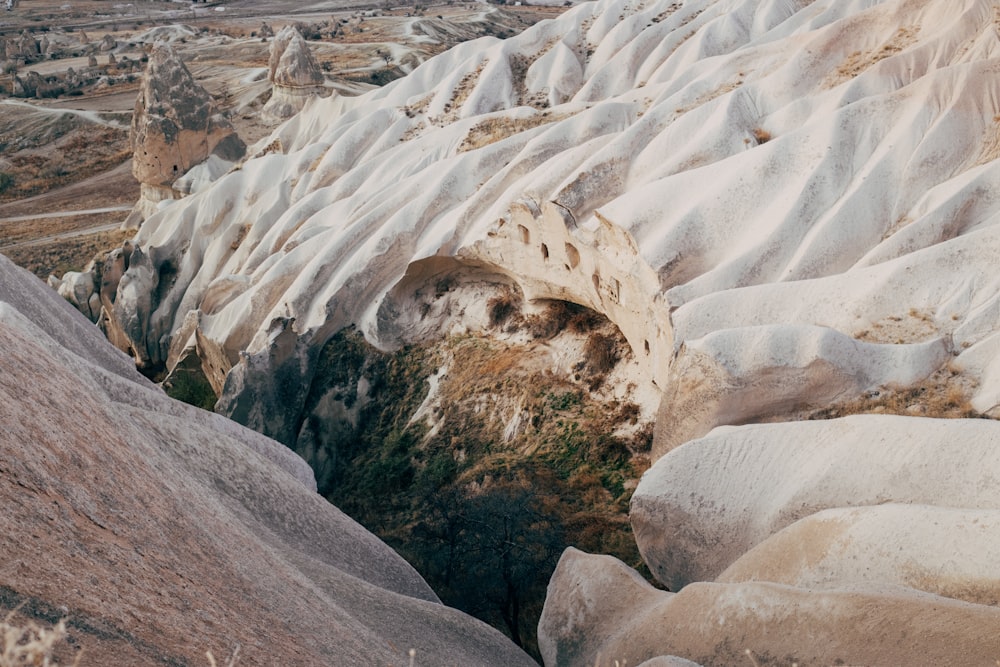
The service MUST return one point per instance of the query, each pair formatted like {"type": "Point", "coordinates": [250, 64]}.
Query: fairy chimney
{"type": "Point", "coordinates": [294, 75]}
{"type": "Point", "coordinates": [176, 125]}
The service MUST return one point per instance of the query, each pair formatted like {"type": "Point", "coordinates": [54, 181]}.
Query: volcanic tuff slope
{"type": "Point", "coordinates": [160, 531]}
{"type": "Point", "coordinates": [782, 204]}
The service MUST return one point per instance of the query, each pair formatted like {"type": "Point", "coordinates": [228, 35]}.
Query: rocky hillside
{"type": "Point", "coordinates": [697, 172]}
{"type": "Point", "coordinates": [159, 531]}
{"type": "Point", "coordinates": [785, 207]}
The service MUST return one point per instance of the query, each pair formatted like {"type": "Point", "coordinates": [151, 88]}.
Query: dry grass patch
{"type": "Point", "coordinates": [705, 98]}
{"type": "Point", "coordinates": [557, 317]}
{"type": "Point", "coordinates": [761, 136]}
{"type": "Point", "coordinates": [58, 257]}
{"type": "Point", "coordinates": [859, 61]}
{"type": "Point", "coordinates": [499, 128]}
{"type": "Point", "coordinates": [67, 159]}
{"type": "Point", "coordinates": [945, 394]}
{"type": "Point", "coordinates": [502, 308]}
{"type": "Point", "coordinates": [459, 95]}
{"type": "Point", "coordinates": [913, 327]}
{"type": "Point", "coordinates": [601, 352]}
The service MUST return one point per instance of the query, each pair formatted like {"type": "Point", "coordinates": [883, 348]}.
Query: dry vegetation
{"type": "Point", "coordinates": [23, 230]}
{"type": "Point", "coordinates": [761, 136]}
{"type": "Point", "coordinates": [944, 394]}
{"type": "Point", "coordinates": [499, 128]}
{"type": "Point", "coordinates": [915, 326]}
{"type": "Point", "coordinates": [69, 157]}
{"type": "Point", "coordinates": [30, 644]}
{"type": "Point", "coordinates": [705, 98]}
{"type": "Point", "coordinates": [859, 61]}
{"type": "Point", "coordinates": [58, 256]}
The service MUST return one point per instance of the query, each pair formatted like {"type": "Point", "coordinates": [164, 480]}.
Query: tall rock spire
{"type": "Point", "coordinates": [176, 125]}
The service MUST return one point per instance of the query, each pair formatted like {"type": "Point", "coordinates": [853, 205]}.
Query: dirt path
{"type": "Point", "coordinates": [66, 214]}
{"type": "Point", "coordinates": [91, 116]}
{"type": "Point", "coordinates": [116, 187]}
{"type": "Point", "coordinates": [64, 236]}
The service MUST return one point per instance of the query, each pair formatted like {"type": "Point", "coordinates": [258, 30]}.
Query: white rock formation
{"type": "Point", "coordinates": [942, 550]}
{"type": "Point", "coordinates": [733, 376]}
{"type": "Point", "coordinates": [717, 624]}
{"type": "Point", "coordinates": [78, 287]}
{"type": "Point", "coordinates": [294, 75]}
{"type": "Point", "coordinates": [706, 503]}
{"type": "Point", "coordinates": [812, 542]}
{"type": "Point", "coordinates": [700, 167]}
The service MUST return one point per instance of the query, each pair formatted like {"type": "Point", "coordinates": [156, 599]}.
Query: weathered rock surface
{"type": "Point", "coordinates": [716, 624]}
{"type": "Point", "coordinates": [668, 661]}
{"type": "Point", "coordinates": [736, 376]}
{"type": "Point", "coordinates": [941, 550]}
{"type": "Point", "coordinates": [294, 75]}
{"type": "Point", "coordinates": [161, 531]}
{"type": "Point", "coordinates": [176, 125]}
{"type": "Point", "coordinates": [686, 170]}
{"type": "Point", "coordinates": [831, 539]}
{"type": "Point", "coordinates": [706, 503]}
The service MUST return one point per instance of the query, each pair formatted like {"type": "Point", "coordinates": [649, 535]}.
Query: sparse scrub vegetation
{"type": "Point", "coordinates": [945, 395]}
{"type": "Point", "coordinates": [601, 352]}
{"type": "Point", "coordinates": [499, 128]}
{"type": "Point", "coordinates": [557, 317]}
{"type": "Point", "coordinates": [858, 61]}
{"type": "Point", "coordinates": [188, 383]}
{"type": "Point", "coordinates": [73, 156]}
{"type": "Point", "coordinates": [761, 136]}
{"type": "Point", "coordinates": [501, 308]}
{"type": "Point", "coordinates": [58, 257]}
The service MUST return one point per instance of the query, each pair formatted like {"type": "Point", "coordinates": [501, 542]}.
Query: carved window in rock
{"type": "Point", "coordinates": [572, 255]}
{"type": "Point", "coordinates": [524, 234]}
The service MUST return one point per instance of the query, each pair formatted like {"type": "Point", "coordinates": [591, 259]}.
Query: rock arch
{"type": "Point", "coordinates": [598, 267]}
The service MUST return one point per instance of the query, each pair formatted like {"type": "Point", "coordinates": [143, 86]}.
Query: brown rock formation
{"type": "Point", "coordinates": [176, 126]}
